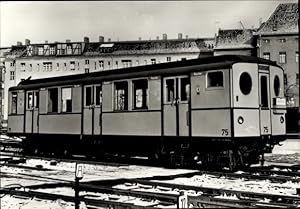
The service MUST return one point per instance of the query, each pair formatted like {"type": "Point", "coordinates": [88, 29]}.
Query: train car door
{"type": "Point", "coordinates": [32, 112]}
{"type": "Point", "coordinates": [176, 106]}
{"type": "Point", "coordinates": [92, 110]}
{"type": "Point", "coordinates": [264, 107]}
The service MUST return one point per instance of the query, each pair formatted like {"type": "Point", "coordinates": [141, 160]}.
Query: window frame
{"type": "Point", "coordinates": [115, 96]}
{"type": "Point", "coordinates": [214, 87]}
{"type": "Point", "coordinates": [281, 56]}
{"type": "Point", "coordinates": [11, 75]}
{"type": "Point", "coordinates": [267, 54]}
{"type": "Point", "coordinates": [62, 101]}
{"type": "Point", "coordinates": [145, 98]}
{"type": "Point", "coordinates": [14, 105]}
{"type": "Point", "coordinates": [48, 111]}
{"type": "Point", "coordinates": [166, 91]}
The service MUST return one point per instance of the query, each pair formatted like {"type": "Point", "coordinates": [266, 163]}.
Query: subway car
{"type": "Point", "coordinates": [217, 111]}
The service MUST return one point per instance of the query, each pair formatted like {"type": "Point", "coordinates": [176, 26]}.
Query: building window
{"type": "Point", "coordinates": [153, 61]}
{"type": "Point", "coordinates": [282, 57]}
{"type": "Point", "coordinates": [22, 67]}
{"type": "Point", "coordinates": [69, 49]}
{"type": "Point", "coordinates": [66, 99]}
{"type": "Point", "coordinates": [282, 40]}
{"type": "Point", "coordinates": [72, 65]}
{"type": "Point", "coordinates": [297, 56]}
{"type": "Point", "coordinates": [47, 66]}
{"type": "Point", "coordinates": [182, 59]}
{"type": "Point", "coordinates": [53, 100]}
{"type": "Point", "coordinates": [12, 75]}
{"type": "Point", "coordinates": [121, 95]}
{"type": "Point", "coordinates": [266, 41]}
{"type": "Point", "coordinates": [65, 66]}
{"type": "Point", "coordinates": [14, 100]}
{"type": "Point", "coordinates": [30, 67]}
{"type": "Point", "coordinates": [266, 55]}
{"type": "Point", "coordinates": [101, 64]}
{"type": "Point", "coordinates": [117, 64]}
{"type": "Point", "coordinates": [57, 66]}
{"type": "Point", "coordinates": [137, 63]}
{"type": "Point", "coordinates": [140, 91]}
{"type": "Point", "coordinates": [168, 59]}
{"type": "Point", "coordinates": [95, 65]}
{"type": "Point", "coordinates": [214, 79]}
{"type": "Point", "coordinates": [297, 78]}
{"type": "Point", "coordinates": [41, 51]}
{"type": "Point", "coordinates": [52, 50]}
{"type": "Point", "coordinates": [38, 67]}
{"type": "Point", "coordinates": [108, 64]}
{"type": "Point", "coordinates": [126, 63]}
{"type": "Point", "coordinates": [87, 67]}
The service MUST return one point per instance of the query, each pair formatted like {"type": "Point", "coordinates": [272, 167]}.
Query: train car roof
{"type": "Point", "coordinates": [170, 68]}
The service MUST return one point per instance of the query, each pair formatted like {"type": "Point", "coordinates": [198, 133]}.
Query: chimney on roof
{"type": "Point", "coordinates": [186, 36]}
{"type": "Point", "coordinates": [19, 43]}
{"type": "Point", "coordinates": [165, 37]}
{"type": "Point", "coordinates": [179, 36]}
{"type": "Point", "coordinates": [46, 41]}
{"type": "Point", "coordinates": [86, 39]}
{"type": "Point", "coordinates": [68, 41]}
{"type": "Point", "coordinates": [140, 38]}
{"type": "Point", "coordinates": [157, 37]}
{"type": "Point", "coordinates": [109, 40]}
{"type": "Point", "coordinates": [27, 42]}
{"type": "Point", "coordinates": [101, 39]}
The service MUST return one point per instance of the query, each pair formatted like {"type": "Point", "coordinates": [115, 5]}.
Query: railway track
{"type": "Point", "coordinates": [155, 193]}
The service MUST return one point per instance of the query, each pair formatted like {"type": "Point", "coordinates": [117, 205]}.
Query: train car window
{"type": "Point", "coordinates": [264, 91]}
{"type": "Point", "coordinates": [88, 96]}
{"type": "Point", "coordinates": [140, 89]}
{"type": "Point", "coordinates": [36, 99]}
{"type": "Point", "coordinates": [66, 99]}
{"type": "Point", "coordinates": [245, 83]}
{"type": "Point", "coordinates": [53, 100]}
{"type": "Point", "coordinates": [276, 85]}
{"type": "Point", "coordinates": [184, 89]}
{"type": "Point", "coordinates": [98, 95]}
{"type": "Point", "coordinates": [14, 102]}
{"type": "Point", "coordinates": [170, 90]}
{"type": "Point", "coordinates": [215, 79]}
{"type": "Point", "coordinates": [29, 100]}
{"type": "Point", "coordinates": [121, 95]}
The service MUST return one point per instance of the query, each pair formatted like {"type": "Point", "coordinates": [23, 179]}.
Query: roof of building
{"type": "Point", "coordinates": [284, 20]}
{"type": "Point", "coordinates": [169, 46]}
{"type": "Point", "coordinates": [166, 69]}
{"type": "Point", "coordinates": [235, 39]}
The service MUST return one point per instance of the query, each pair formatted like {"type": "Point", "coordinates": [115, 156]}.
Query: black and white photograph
{"type": "Point", "coordinates": [149, 104]}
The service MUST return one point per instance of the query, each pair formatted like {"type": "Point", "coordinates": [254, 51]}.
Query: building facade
{"type": "Point", "coordinates": [278, 40]}
{"type": "Point", "coordinates": [33, 61]}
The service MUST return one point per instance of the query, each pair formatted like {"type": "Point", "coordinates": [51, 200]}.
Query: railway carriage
{"type": "Point", "coordinates": [223, 110]}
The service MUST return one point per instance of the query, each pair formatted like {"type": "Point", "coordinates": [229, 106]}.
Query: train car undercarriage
{"type": "Point", "coordinates": [168, 151]}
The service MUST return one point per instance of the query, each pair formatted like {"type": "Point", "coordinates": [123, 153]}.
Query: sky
{"type": "Point", "coordinates": [126, 20]}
